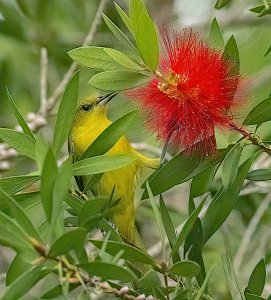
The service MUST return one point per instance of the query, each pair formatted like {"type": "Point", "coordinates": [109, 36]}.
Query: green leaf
{"type": "Point", "coordinates": [126, 20]}
{"type": "Point", "coordinates": [58, 291]}
{"type": "Point", "coordinates": [262, 10]}
{"type": "Point", "coordinates": [204, 285]}
{"type": "Point", "coordinates": [136, 9]}
{"type": "Point", "coordinates": [187, 227]}
{"type": "Point", "coordinates": [93, 210]}
{"type": "Point", "coordinates": [201, 182]}
{"type": "Point", "coordinates": [24, 283]}
{"type": "Point", "coordinates": [119, 35]}
{"type": "Point", "coordinates": [231, 53]}
{"type": "Point", "coordinates": [118, 80]}
{"type": "Point", "coordinates": [19, 141]}
{"type": "Point", "coordinates": [129, 252]}
{"type": "Point", "coordinates": [224, 202]}
{"type": "Point", "coordinates": [108, 271]}
{"type": "Point", "coordinates": [231, 165]}
{"type": "Point", "coordinates": [66, 112]}
{"type": "Point", "coordinates": [60, 189]}
{"type": "Point", "coordinates": [193, 247]}
{"type": "Point", "coordinates": [102, 163]}
{"type": "Point", "coordinates": [149, 280]}
{"type": "Point", "coordinates": [260, 113]}
{"type": "Point", "coordinates": [221, 3]}
{"type": "Point", "coordinates": [16, 268]}
{"type": "Point", "coordinates": [185, 268]}
{"type": "Point", "coordinates": [123, 59]}
{"type": "Point", "coordinates": [215, 36]}
{"type": "Point", "coordinates": [258, 9]}
{"type": "Point", "coordinates": [253, 297]}
{"type": "Point", "coordinates": [268, 51]}
{"type": "Point", "coordinates": [148, 47]}
{"type": "Point", "coordinates": [75, 202]}
{"type": "Point", "coordinates": [167, 222]}
{"type": "Point", "coordinates": [48, 177]}
{"type": "Point", "coordinates": [28, 200]}
{"type": "Point", "coordinates": [19, 215]}
{"type": "Point", "coordinates": [107, 227]}
{"type": "Point", "coordinates": [18, 116]}
{"type": "Point", "coordinates": [15, 184]}
{"type": "Point", "coordinates": [94, 57]}
{"type": "Point", "coordinates": [257, 279]}
{"type": "Point", "coordinates": [41, 149]}
{"type": "Point", "coordinates": [72, 240]}
{"type": "Point", "coordinates": [259, 175]}
{"type": "Point", "coordinates": [182, 294]}
{"type": "Point", "coordinates": [13, 236]}
{"type": "Point", "coordinates": [169, 174]}
{"type": "Point", "coordinates": [116, 130]}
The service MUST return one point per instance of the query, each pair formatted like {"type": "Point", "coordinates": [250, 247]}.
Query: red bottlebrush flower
{"type": "Point", "coordinates": [192, 93]}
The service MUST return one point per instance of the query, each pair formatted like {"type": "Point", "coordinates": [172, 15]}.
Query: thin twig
{"type": "Point", "coordinates": [250, 231]}
{"type": "Point", "coordinates": [68, 75]}
{"type": "Point", "coordinates": [43, 79]}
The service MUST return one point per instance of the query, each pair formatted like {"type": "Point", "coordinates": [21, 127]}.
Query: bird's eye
{"type": "Point", "coordinates": [86, 107]}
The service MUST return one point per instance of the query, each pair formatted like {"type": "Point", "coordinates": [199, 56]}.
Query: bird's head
{"type": "Point", "coordinates": [92, 108]}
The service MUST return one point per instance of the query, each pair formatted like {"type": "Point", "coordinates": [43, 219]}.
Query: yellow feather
{"type": "Point", "coordinates": [87, 127]}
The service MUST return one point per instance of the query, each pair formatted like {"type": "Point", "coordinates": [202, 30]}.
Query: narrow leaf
{"type": "Point", "coordinates": [116, 130]}
{"type": "Point", "coordinates": [260, 113]}
{"type": "Point", "coordinates": [19, 141]}
{"type": "Point", "coordinates": [94, 57]}
{"type": "Point", "coordinates": [19, 215]}
{"type": "Point", "coordinates": [257, 279]}
{"type": "Point", "coordinates": [221, 3]}
{"type": "Point", "coordinates": [118, 80]}
{"type": "Point", "coordinates": [123, 59]}
{"type": "Point", "coordinates": [16, 269]}
{"type": "Point", "coordinates": [102, 164]}
{"type": "Point", "coordinates": [231, 165]}
{"type": "Point", "coordinates": [72, 240]}
{"type": "Point", "coordinates": [224, 202]}
{"type": "Point", "coordinates": [215, 36]}
{"type": "Point", "coordinates": [185, 268]}
{"type": "Point", "coordinates": [24, 283]}
{"type": "Point", "coordinates": [48, 177]}
{"type": "Point", "coordinates": [126, 20]}
{"type": "Point", "coordinates": [119, 34]}
{"type": "Point", "coordinates": [187, 227]}
{"type": "Point", "coordinates": [66, 114]}
{"type": "Point", "coordinates": [259, 175]}
{"type": "Point", "coordinates": [108, 271]}
{"type": "Point", "coordinates": [231, 53]}
{"type": "Point", "coordinates": [136, 9]}
{"type": "Point", "coordinates": [129, 252]}
{"type": "Point", "coordinates": [148, 48]}
{"type": "Point", "coordinates": [13, 236]}
{"type": "Point", "coordinates": [19, 116]}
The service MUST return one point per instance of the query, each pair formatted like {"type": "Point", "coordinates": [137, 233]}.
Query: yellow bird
{"type": "Point", "coordinates": [90, 121]}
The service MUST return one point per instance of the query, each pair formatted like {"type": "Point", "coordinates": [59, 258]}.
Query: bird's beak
{"type": "Point", "coordinates": [103, 100]}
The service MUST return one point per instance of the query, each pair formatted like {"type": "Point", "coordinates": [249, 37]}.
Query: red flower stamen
{"type": "Point", "coordinates": [191, 94]}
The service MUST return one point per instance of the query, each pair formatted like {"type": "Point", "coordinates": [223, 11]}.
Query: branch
{"type": "Point", "coordinates": [250, 231]}
{"type": "Point", "coordinates": [38, 120]}
{"type": "Point", "coordinates": [68, 75]}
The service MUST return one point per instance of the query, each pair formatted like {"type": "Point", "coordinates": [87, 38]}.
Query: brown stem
{"type": "Point", "coordinates": [254, 140]}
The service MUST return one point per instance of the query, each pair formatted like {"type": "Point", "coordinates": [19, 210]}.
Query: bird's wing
{"type": "Point", "coordinates": [78, 179]}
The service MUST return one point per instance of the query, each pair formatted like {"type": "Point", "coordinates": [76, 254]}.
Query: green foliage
{"type": "Point", "coordinates": [116, 130]}
{"type": "Point", "coordinates": [221, 3]}
{"type": "Point", "coordinates": [260, 113]}
{"type": "Point", "coordinates": [257, 280]}
{"type": "Point", "coordinates": [52, 226]}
